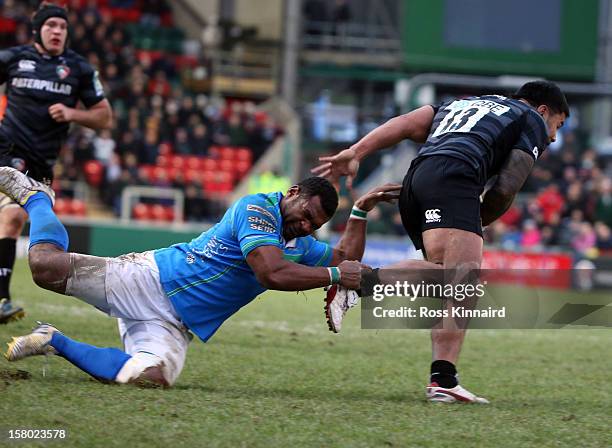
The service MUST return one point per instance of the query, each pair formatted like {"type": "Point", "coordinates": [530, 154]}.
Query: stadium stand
{"type": "Point", "coordinates": [166, 133]}
{"type": "Point", "coordinates": [171, 132]}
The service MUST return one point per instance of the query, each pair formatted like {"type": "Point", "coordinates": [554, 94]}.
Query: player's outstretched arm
{"type": "Point", "coordinates": [98, 116]}
{"type": "Point", "coordinates": [512, 176]}
{"type": "Point", "coordinates": [274, 272]}
{"type": "Point", "coordinates": [414, 125]}
{"type": "Point", "coordinates": [352, 242]}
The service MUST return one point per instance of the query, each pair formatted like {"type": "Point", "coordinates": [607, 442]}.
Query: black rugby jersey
{"type": "Point", "coordinates": [33, 83]}
{"type": "Point", "coordinates": [483, 130]}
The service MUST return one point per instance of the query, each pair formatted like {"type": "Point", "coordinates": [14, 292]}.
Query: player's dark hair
{"type": "Point", "coordinates": [544, 92]}
{"type": "Point", "coordinates": [319, 186]}
{"type": "Point", "coordinates": [46, 11]}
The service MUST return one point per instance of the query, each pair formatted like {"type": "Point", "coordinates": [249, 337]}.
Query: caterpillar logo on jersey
{"type": "Point", "coordinates": [42, 84]}
{"type": "Point", "coordinates": [432, 215]}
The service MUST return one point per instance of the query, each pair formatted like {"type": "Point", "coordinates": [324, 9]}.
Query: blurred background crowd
{"type": "Point", "coordinates": [174, 130]}
{"type": "Point", "coordinates": [165, 116]}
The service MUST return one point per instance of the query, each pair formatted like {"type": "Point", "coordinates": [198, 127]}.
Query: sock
{"type": "Point", "coordinates": [8, 247]}
{"type": "Point", "coordinates": [44, 225]}
{"type": "Point", "coordinates": [102, 363]}
{"type": "Point", "coordinates": [444, 373]}
{"type": "Point", "coordinates": [369, 278]}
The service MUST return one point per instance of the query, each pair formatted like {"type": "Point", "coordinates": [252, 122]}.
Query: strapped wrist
{"type": "Point", "coordinates": [357, 213]}
{"type": "Point", "coordinates": [334, 275]}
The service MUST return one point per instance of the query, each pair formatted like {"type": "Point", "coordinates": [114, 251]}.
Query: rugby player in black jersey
{"type": "Point", "coordinates": [45, 81]}
{"type": "Point", "coordinates": [465, 142]}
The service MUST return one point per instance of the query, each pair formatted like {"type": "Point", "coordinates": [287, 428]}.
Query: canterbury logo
{"type": "Point", "coordinates": [535, 151]}
{"type": "Point", "coordinates": [432, 215]}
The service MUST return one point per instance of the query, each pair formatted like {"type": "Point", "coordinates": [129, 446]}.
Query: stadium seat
{"type": "Point", "coordinates": [192, 175]}
{"type": "Point", "coordinates": [226, 153]}
{"type": "Point", "coordinates": [141, 212]}
{"type": "Point", "coordinates": [158, 212]}
{"type": "Point", "coordinates": [169, 213]}
{"type": "Point", "coordinates": [78, 207]}
{"type": "Point", "coordinates": [146, 172]}
{"type": "Point", "coordinates": [94, 172]}
{"type": "Point", "coordinates": [244, 154]}
{"type": "Point", "coordinates": [165, 148]}
{"type": "Point", "coordinates": [177, 161]}
{"type": "Point", "coordinates": [226, 165]}
{"type": "Point", "coordinates": [61, 206]}
{"type": "Point", "coordinates": [7, 25]}
{"type": "Point", "coordinates": [163, 160]}
{"type": "Point", "coordinates": [159, 174]}
{"type": "Point", "coordinates": [214, 152]}
{"type": "Point", "coordinates": [241, 168]}
{"type": "Point", "coordinates": [206, 177]}
{"type": "Point", "coordinates": [209, 164]}
{"type": "Point", "coordinates": [194, 163]}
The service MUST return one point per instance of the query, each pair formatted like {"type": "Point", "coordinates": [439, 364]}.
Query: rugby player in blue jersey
{"type": "Point", "coordinates": [264, 241]}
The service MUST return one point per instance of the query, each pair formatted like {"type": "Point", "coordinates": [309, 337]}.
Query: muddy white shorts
{"type": "Point", "coordinates": [128, 288]}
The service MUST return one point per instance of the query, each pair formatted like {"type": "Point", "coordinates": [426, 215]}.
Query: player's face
{"type": "Point", "coordinates": [53, 34]}
{"type": "Point", "coordinates": [302, 216]}
{"type": "Point", "coordinates": [553, 120]}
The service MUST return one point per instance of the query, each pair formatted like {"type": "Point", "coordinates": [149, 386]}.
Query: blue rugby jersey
{"type": "Point", "coordinates": [208, 279]}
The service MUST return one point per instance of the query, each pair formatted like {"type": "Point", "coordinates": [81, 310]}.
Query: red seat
{"type": "Point", "coordinates": [244, 154]}
{"type": "Point", "coordinates": [146, 172]}
{"type": "Point", "coordinates": [163, 160]}
{"type": "Point", "coordinates": [178, 161]}
{"type": "Point", "coordinates": [209, 164]}
{"type": "Point", "coordinates": [226, 165]}
{"type": "Point", "coordinates": [7, 25]}
{"type": "Point", "coordinates": [214, 152]}
{"type": "Point", "coordinates": [141, 212]}
{"type": "Point", "coordinates": [158, 212]}
{"type": "Point", "coordinates": [169, 213]}
{"type": "Point", "coordinates": [241, 168]}
{"type": "Point", "coordinates": [94, 172]}
{"type": "Point", "coordinates": [61, 207]}
{"type": "Point", "coordinates": [192, 176]}
{"type": "Point", "coordinates": [172, 173]}
{"type": "Point", "coordinates": [78, 207]}
{"type": "Point", "coordinates": [226, 153]}
{"type": "Point", "coordinates": [165, 148]}
{"type": "Point", "coordinates": [194, 162]}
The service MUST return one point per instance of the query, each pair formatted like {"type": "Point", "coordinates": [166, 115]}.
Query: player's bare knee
{"type": "Point", "coordinates": [12, 220]}
{"type": "Point", "coordinates": [153, 376]}
{"type": "Point", "coordinates": [38, 266]}
{"type": "Point", "coordinates": [144, 369]}
{"type": "Point", "coordinates": [47, 270]}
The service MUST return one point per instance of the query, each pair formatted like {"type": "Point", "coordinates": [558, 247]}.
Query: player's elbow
{"type": "Point", "coordinates": [266, 279]}
{"type": "Point", "coordinates": [505, 193]}
{"type": "Point", "coordinates": [272, 280]}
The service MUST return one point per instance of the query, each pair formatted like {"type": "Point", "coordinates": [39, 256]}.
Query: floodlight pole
{"type": "Point", "coordinates": [291, 33]}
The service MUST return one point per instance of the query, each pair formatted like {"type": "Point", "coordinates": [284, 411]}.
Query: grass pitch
{"type": "Point", "coordinates": [274, 376]}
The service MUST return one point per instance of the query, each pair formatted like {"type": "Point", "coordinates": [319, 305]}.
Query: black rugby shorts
{"type": "Point", "coordinates": [440, 192]}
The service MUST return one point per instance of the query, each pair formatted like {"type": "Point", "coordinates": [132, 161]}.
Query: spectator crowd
{"type": "Point", "coordinates": [148, 69]}
{"type": "Point", "coordinates": [163, 111]}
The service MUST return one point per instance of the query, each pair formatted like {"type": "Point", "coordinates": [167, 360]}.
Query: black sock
{"type": "Point", "coordinates": [7, 261]}
{"type": "Point", "coordinates": [369, 278]}
{"type": "Point", "coordinates": [444, 373]}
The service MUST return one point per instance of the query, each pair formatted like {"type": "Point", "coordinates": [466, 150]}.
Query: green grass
{"type": "Point", "coordinates": [274, 376]}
